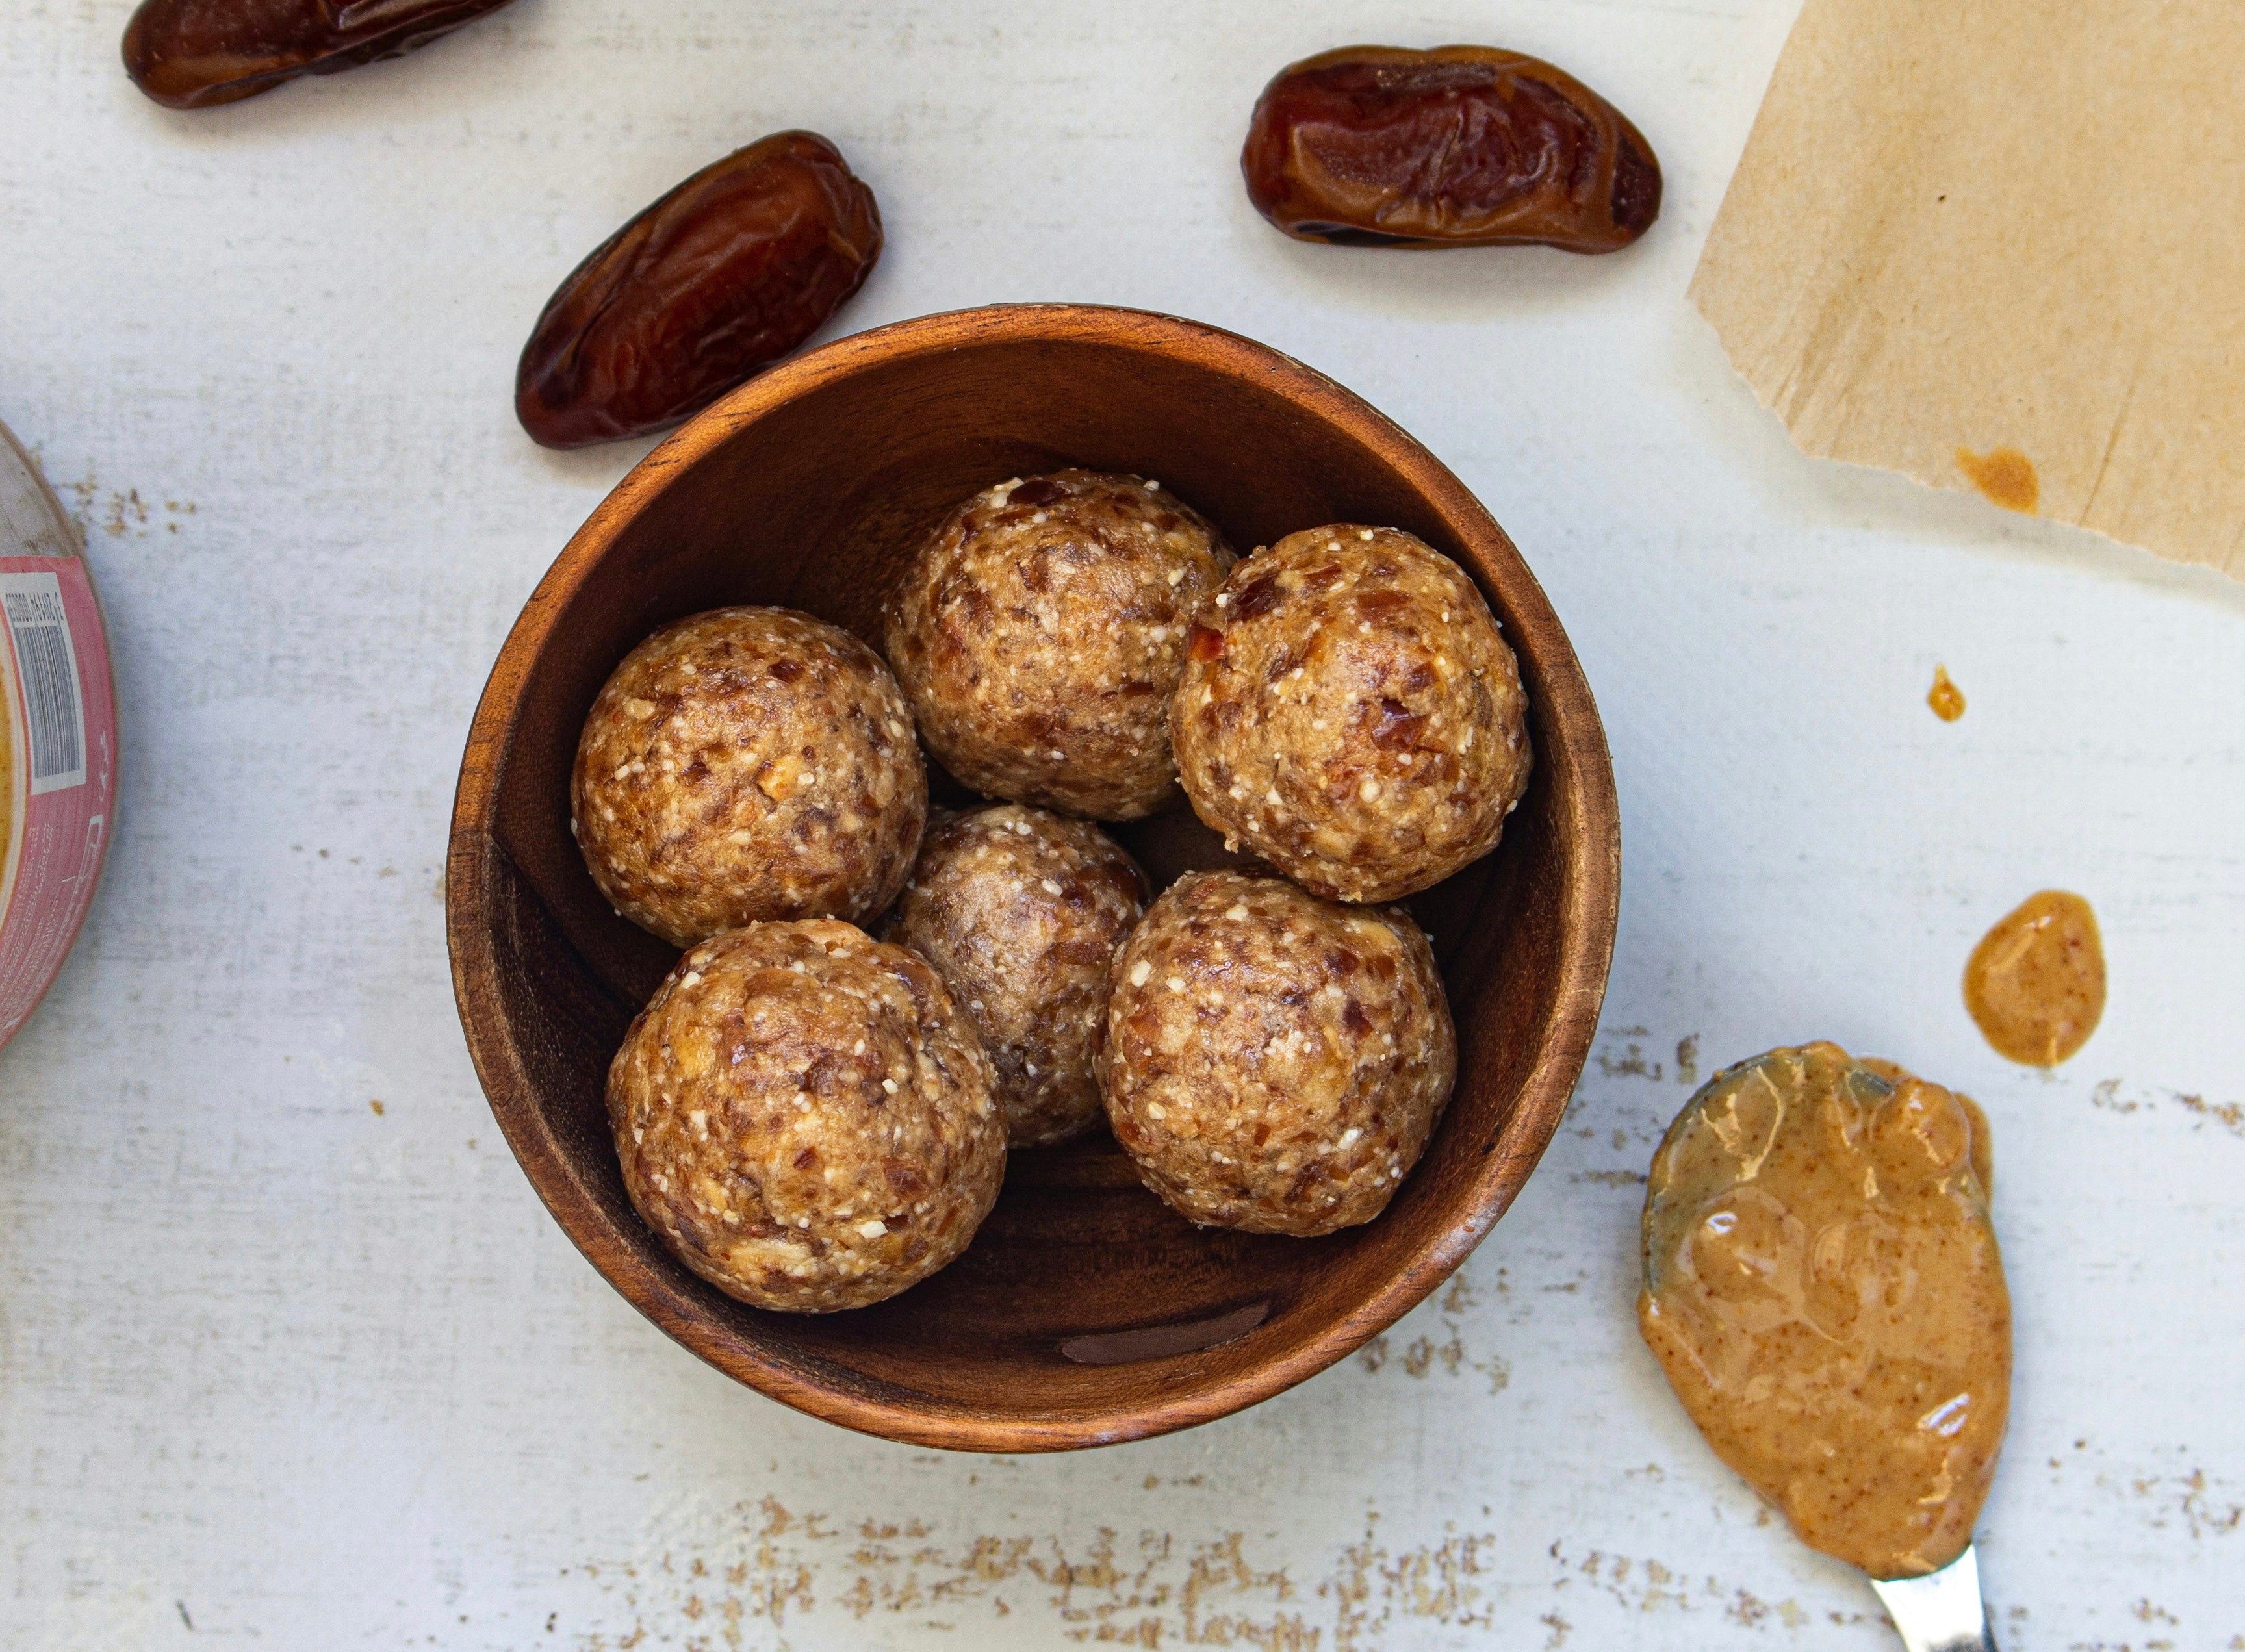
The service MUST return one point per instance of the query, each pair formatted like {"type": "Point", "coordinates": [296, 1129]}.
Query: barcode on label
{"type": "Point", "coordinates": [46, 672]}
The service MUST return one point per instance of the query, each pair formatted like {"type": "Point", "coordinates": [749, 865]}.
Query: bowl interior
{"type": "Point", "coordinates": [1085, 1310]}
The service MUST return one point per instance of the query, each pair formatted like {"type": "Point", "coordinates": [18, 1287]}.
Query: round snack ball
{"type": "Point", "coordinates": [806, 1118]}
{"type": "Point", "coordinates": [1275, 1062]}
{"type": "Point", "coordinates": [1350, 714]}
{"type": "Point", "coordinates": [1020, 911]}
{"type": "Point", "coordinates": [1041, 630]}
{"type": "Point", "coordinates": [748, 764]}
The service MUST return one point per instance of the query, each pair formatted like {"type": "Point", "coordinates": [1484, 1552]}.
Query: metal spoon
{"type": "Point", "coordinates": [1942, 1611]}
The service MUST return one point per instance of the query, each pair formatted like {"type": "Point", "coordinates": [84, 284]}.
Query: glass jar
{"type": "Point", "coordinates": [58, 737]}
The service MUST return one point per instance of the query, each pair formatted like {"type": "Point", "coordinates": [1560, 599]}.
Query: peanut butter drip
{"type": "Point", "coordinates": [1945, 697]}
{"type": "Point", "coordinates": [1823, 1288]}
{"type": "Point", "coordinates": [2036, 981]}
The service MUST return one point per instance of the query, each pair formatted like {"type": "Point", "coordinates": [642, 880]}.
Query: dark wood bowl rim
{"type": "Point", "coordinates": [1589, 900]}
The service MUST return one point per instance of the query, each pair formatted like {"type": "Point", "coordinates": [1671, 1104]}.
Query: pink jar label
{"type": "Point", "coordinates": [61, 733]}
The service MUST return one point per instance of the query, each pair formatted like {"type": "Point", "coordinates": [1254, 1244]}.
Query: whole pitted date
{"type": "Point", "coordinates": [724, 275]}
{"type": "Point", "coordinates": [192, 54]}
{"type": "Point", "coordinates": [1458, 147]}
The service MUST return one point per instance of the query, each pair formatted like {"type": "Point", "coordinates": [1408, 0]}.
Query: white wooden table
{"type": "Point", "coordinates": [290, 1355]}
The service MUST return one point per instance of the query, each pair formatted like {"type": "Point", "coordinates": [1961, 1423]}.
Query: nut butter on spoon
{"type": "Point", "coordinates": [1823, 1288]}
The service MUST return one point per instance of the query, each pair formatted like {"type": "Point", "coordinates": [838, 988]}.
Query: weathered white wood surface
{"type": "Point", "coordinates": [280, 1365]}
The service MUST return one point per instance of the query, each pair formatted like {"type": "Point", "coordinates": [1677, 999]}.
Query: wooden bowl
{"type": "Point", "coordinates": [1085, 1311]}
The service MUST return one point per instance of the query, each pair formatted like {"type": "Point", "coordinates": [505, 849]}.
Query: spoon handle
{"type": "Point", "coordinates": [1942, 1611]}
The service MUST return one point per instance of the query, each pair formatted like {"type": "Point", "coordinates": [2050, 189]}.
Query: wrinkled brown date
{"type": "Point", "coordinates": [727, 273]}
{"type": "Point", "coordinates": [1458, 147]}
{"type": "Point", "coordinates": [192, 54]}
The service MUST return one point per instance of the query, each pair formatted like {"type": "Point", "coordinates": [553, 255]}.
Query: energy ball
{"type": "Point", "coordinates": [1041, 630]}
{"type": "Point", "coordinates": [747, 765]}
{"type": "Point", "coordinates": [806, 1117]}
{"type": "Point", "coordinates": [1275, 1062]}
{"type": "Point", "coordinates": [1350, 714]}
{"type": "Point", "coordinates": [1020, 911]}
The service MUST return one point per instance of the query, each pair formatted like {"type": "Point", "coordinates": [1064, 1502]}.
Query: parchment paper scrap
{"type": "Point", "coordinates": [2001, 244]}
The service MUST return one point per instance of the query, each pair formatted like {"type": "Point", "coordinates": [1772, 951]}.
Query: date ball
{"type": "Point", "coordinates": [1349, 713]}
{"type": "Point", "coordinates": [1020, 911]}
{"type": "Point", "coordinates": [748, 765]}
{"type": "Point", "coordinates": [1275, 1062]}
{"type": "Point", "coordinates": [806, 1117]}
{"type": "Point", "coordinates": [1041, 630]}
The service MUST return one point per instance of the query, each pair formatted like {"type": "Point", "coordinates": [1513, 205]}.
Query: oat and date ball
{"type": "Point", "coordinates": [748, 765]}
{"type": "Point", "coordinates": [1020, 911]}
{"type": "Point", "coordinates": [1350, 714]}
{"type": "Point", "coordinates": [806, 1117]}
{"type": "Point", "coordinates": [1041, 630]}
{"type": "Point", "coordinates": [1275, 1062]}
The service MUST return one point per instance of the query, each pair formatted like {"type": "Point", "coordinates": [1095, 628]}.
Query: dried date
{"type": "Point", "coordinates": [1458, 147]}
{"type": "Point", "coordinates": [193, 54]}
{"type": "Point", "coordinates": [727, 273]}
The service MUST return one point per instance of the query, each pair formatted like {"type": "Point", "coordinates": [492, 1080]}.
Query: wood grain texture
{"type": "Point", "coordinates": [809, 487]}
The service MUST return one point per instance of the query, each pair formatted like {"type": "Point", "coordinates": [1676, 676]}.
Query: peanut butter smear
{"type": "Point", "coordinates": [2036, 981]}
{"type": "Point", "coordinates": [1823, 1288]}
{"type": "Point", "coordinates": [1945, 697]}
{"type": "Point", "coordinates": [2006, 477]}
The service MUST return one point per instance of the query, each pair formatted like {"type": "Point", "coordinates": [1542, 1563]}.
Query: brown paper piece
{"type": "Point", "coordinates": [2000, 245]}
